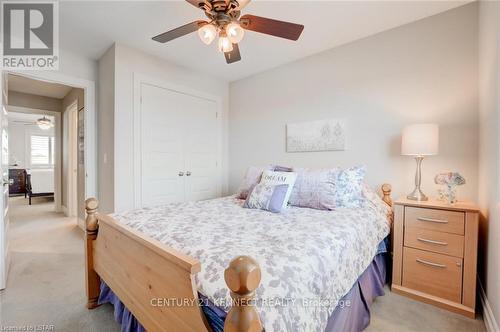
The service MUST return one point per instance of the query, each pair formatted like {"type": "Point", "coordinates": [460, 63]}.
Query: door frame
{"type": "Point", "coordinates": [90, 124]}
{"type": "Point", "coordinates": [58, 136]}
{"type": "Point", "coordinates": [71, 112]}
{"type": "Point", "coordinates": [140, 79]}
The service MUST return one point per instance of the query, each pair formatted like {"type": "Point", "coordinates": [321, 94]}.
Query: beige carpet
{"type": "Point", "coordinates": [46, 283]}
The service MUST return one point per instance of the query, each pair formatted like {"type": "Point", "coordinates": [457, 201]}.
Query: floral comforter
{"type": "Point", "coordinates": [309, 258]}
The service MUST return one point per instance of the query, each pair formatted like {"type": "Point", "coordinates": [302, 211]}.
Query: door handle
{"type": "Point", "coordinates": [188, 173]}
{"type": "Point", "coordinates": [181, 173]}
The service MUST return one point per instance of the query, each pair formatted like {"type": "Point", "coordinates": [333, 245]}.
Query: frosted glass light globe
{"type": "Point", "coordinates": [225, 45]}
{"type": "Point", "coordinates": [235, 32]}
{"type": "Point", "coordinates": [207, 33]}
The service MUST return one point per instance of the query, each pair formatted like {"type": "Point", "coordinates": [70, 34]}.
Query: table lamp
{"type": "Point", "coordinates": [420, 140]}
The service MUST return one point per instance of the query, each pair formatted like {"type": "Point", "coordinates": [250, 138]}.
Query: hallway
{"type": "Point", "coordinates": [45, 285]}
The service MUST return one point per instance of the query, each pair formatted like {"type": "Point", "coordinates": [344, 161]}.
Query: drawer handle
{"type": "Point", "coordinates": [439, 221]}
{"type": "Point", "coordinates": [439, 243]}
{"type": "Point", "coordinates": [421, 261]}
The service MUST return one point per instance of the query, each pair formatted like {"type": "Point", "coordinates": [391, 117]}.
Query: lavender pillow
{"type": "Point", "coordinates": [314, 189]}
{"type": "Point", "coordinates": [267, 197]}
{"type": "Point", "coordinates": [251, 179]}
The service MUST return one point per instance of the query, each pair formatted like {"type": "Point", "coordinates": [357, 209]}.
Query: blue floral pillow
{"type": "Point", "coordinates": [349, 187]}
{"type": "Point", "coordinates": [267, 197]}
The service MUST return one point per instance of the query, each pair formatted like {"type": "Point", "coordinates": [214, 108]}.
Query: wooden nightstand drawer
{"type": "Point", "coordinates": [435, 219]}
{"type": "Point", "coordinates": [433, 274]}
{"type": "Point", "coordinates": [440, 242]}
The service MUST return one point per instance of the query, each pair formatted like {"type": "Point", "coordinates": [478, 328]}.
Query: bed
{"type": "Point", "coordinates": [288, 271]}
{"type": "Point", "coordinates": [40, 183]}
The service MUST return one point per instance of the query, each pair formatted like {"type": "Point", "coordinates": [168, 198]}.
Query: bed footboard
{"type": "Point", "coordinates": [156, 283]}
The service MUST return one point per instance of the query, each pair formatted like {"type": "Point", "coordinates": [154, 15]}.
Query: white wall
{"type": "Point", "coordinates": [106, 127]}
{"type": "Point", "coordinates": [19, 135]}
{"type": "Point", "coordinates": [129, 62]}
{"type": "Point", "coordinates": [421, 72]}
{"type": "Point", "coordinates": [489, 161]}
{"type": "Point", "coordinates": [27, 100]}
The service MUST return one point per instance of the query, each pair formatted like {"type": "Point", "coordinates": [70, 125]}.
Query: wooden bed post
{"type": "Point", "coordinates": [243, 278]}
{"type": "Point", "coordinates": [91, 278]}
{"type": "Point", "coordinates": [386, 191]}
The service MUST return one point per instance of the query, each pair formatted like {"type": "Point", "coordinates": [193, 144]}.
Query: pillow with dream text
{"type": "Point", "coordinates": [267, 197]}
{"type": "Point", "coordinates": [275, 178]}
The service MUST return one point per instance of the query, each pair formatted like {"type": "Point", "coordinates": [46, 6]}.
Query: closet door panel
{"type": "Point", "coordinates": [201, 150]}
{"type": "Point", "coordinates": [162, 150]}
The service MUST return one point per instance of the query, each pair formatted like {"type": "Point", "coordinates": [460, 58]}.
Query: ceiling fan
{"type": "Point", "coordinates": [43, 123]}
{"type": "Point", "coordinates": [226, 23]}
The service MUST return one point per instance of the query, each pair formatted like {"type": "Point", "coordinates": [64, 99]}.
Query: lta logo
{"type": "Point", "coordinates": [30, 35]}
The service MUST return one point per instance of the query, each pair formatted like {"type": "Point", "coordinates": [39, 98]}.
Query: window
{"type": "Point", "coordinates": [42, 151]}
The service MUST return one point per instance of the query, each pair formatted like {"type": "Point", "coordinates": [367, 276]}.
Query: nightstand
{"type": "Point", "coordinates": [435, 253]}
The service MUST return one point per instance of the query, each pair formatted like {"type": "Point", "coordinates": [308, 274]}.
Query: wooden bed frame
{"type": "Point", "coordinates": [146, 274]}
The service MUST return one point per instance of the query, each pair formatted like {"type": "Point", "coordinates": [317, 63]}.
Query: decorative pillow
{"type": "Point", "coordinates": [251, 179]}
{"type": "Point", "coordinates": [267, 197]}
{"type": "Point", "coordinates": [374, 200]}
{"type": "Point", "coordinates": [275, 178]}
{"type": "Point", "coordinates": [349, 187]}
{"type": "Point", "coordinates": [314, 189]}
{"type": "Point", "coordinates": [279, 168]}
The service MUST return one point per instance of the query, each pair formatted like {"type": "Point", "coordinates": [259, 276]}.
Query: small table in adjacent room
{"type": "Point", "coordinates": [17, 185]}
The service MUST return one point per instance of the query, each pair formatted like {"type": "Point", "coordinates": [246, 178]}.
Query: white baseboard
{"type": "Point", "coordinates": [65, 210]}
{"type": "Point", "coordinates": [488, 317]}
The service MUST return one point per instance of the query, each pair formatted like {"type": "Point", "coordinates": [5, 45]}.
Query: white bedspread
{"type": "Point", "coordinates": [42, 180]}
{"type": "Point", "coordinates": [308, 256]}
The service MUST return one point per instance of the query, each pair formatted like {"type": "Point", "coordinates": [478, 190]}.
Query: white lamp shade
{"type": "Point", "coordinates": [420, 140]}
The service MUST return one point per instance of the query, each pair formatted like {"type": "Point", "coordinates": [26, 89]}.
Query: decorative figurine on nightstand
{"type": "Point", "coordinates": [451, 180]}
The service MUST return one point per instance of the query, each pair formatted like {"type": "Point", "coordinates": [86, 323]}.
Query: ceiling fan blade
{"type": "Point", "coordinates": [234, 55]}
{"type": "Point", "coordinates": [179, 32]}
{"type": "Point", "coordinates": [272, 27]}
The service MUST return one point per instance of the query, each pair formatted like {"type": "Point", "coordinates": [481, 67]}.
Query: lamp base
{"type": "Point", "coordinates": [417, 195]}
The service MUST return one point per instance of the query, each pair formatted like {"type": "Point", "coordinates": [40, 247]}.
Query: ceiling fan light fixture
{"type": "Point", "coordinates": [225, 44]}
{"type": "Point", "coordinates": [44, 123]}
{"type": "Point", "coordinates": [207, 33]}
{"type": "Point", "coordinates": [234, 32]}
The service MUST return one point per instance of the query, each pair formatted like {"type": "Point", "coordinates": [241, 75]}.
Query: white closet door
{"type": "Point", "coordinates": [201, 150]}
{"type": "Point", "coordinates": [179, 146]}
{"type": "Point", "coordinates": [162, 151]}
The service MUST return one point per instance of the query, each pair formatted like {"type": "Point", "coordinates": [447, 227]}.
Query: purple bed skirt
{"type": "Point", "coordinates": [352, 315]}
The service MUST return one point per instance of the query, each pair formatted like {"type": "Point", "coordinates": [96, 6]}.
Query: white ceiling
{"type": "Point", "coordinates": [90, 27]}
{"type": "Point", "coordinates": [36, 87]}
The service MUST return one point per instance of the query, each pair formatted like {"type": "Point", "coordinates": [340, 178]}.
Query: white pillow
{"type": "Point", "coordinates": [276, 178]}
